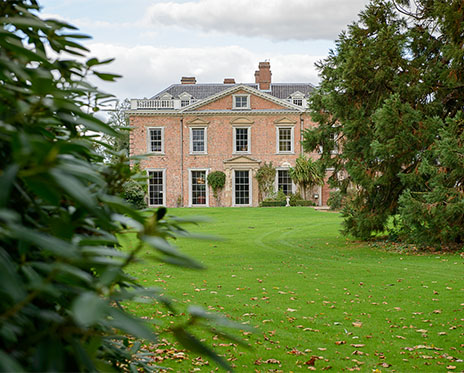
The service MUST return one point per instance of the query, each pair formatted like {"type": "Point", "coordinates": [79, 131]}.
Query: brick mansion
{"type": "Point", "coordinates": [189, 130]}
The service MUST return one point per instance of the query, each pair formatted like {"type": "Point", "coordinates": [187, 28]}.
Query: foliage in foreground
{"type": "Point", "coordinates": [392, 94]}
{"type": "Point", "coordinates": [62, 273]}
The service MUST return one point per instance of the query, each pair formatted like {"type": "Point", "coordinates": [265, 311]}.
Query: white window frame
{"type": "Point", "coordinates": [205, 129]}
{"type": "Point", "coordinates": [250, 187]}
{"type": "Point", "coordinates": [276, 181]}
{"type": "Point", "coordinates": [185, 97]}
{"type": "Point", "coordinates": [234, 150]}
{"type": "Point", "coordinates": [163, 170]}
{"type": "Point", "coordinates": [292, 134]}
{"type": "Point", "coordinates": [149, 140]}
{"type": "Point", "coordinates": [298, 96]}
{"type": "Point", "coordinates": [190, 187]}
{"type": "Point", "coordinates": [234, 107]}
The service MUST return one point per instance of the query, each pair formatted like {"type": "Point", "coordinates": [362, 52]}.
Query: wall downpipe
{"type": "Point", "coordinates": [301, 133]}
{"type": "Point", "coordinates": [182, 162]}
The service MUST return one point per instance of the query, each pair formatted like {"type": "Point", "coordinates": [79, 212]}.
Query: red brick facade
{"type": "Point", "coordinates": [218, 121]}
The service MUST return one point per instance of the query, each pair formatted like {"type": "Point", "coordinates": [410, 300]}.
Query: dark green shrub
{"type": "Point", "coordinates": [135, 194]}
{"type": "Point", "coordinates": [294, 198]}
{"type": "Point", "coordinates": [272, 204]}
{"type": "Point", "coordinates": [217, 180]}
{"type": "Point", "coordinates": [303, 202]}
{"type": "Point", "coordinates": [265, 177]}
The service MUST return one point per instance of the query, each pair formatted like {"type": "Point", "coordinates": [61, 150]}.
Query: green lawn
{"type": "Point", "coordinates": [312, 292]}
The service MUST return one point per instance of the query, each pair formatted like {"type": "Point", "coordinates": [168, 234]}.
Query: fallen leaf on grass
{"type": "Point", "coordinates": [199, 361]}
{"type": "Point", "coordinates": [291, 310]}
{"type": "Point", "coordinates": [322, 349]}
{"type": "Point", "coordinates": [357, 345]}
{"type": "Point", "coordinates": [451, 367]}
{"type": "Point", "coordinates": [357, 324]}
{"type": "Point", "coordinates": [424, 347]}
{"type": "Point", "coordinates": [311, 361]}
{"type": "Point", "coordinates": [268, 361]}
{"type": "Point", "coordinates": [296, 352]}
{"type": "Point", "coordinates": [340, 342]}
{"type": "Point", "coordinates": [271, 361]}
{"type": "Point", "coordinates": [385, 365]}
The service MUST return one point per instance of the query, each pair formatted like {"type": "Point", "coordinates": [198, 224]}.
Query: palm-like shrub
{"type": "Point", "coordinates": [306, 174]}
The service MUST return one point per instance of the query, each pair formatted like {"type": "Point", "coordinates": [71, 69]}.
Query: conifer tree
{"type": "Point", "coordinates": [392, 92]}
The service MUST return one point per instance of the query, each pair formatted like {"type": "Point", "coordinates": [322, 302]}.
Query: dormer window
{"type": "Point", "coordinates": [297, 98]}
{"type": "Point", "coordinates": [241, 101]}
{"type": "Point", "coordinates": [166, 96]}
{"type": "Point", "coordinates": [185, 99]}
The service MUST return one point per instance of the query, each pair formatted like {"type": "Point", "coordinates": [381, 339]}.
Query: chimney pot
{"type": "Point", "coordinates": [229, 80]}
{"type": "Point", "coordinates": [263, 76]}
{"type": "Point", "coordinates": [188, 80]}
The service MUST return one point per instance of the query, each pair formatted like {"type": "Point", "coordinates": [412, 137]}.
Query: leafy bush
{"type": "Point", "coordinates": [134, 193]}
{"type": "Point", "coordinates": [278, 196]}
{"type": "Point", "coordinates": [265, 177]}
{"type": "Point", "coordinates": [306, 174]}
{"type": "Point", "coordinates": [62, 275]}
{"type": "Point", "coordinates": [268, 203]}
{"type": "Point", "coordinates": [303, 202]}
{"type": "Point", "coordinates": [217, 180]}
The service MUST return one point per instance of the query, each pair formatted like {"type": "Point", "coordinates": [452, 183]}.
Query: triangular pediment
{"type": "Point", "coordinates": [241, 121]}
{"type": "Point", "coordinates": [297, 94]}
{"type": "Point", "coordinates": [285, 122]}
{"type": "Point", "coordinates": [242, 160]}
{"type": "Point", "coordinates": [198, 122]}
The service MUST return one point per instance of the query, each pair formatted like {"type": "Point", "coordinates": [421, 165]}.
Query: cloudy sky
{"type": "Point", "coordinates": [156, 42]}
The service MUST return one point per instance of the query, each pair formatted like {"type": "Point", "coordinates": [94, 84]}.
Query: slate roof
{"type": "Point", "coordinates": [284, 90]}
{"type": "Point", "coordinates": [202, 91]}
{"type": "Point", "coordinates": [198, 91]}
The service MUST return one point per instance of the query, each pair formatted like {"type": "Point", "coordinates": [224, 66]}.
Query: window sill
{"type": "Point", "coordinates": [285, 153]}
{"type": "Point", "coordinates": [156, 153]}
{"type": "Point", "coordinates": [198, 153]}
{"type": "Point", "coordinates": [241, 152]}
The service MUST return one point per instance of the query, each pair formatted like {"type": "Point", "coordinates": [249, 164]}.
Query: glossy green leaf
{"type": "Point", "coordinates": [89, 309]}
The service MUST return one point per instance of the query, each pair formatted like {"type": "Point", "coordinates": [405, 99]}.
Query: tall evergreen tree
{"type": "Point", "coordinates": [389, 92]}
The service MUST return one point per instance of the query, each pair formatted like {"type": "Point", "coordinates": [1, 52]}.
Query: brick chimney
{"type": "Point", "coordinates": [263, 76]}
{"type": "Point", "coordinates": [229, 81]}
{"type": "Point", "coordinates": [188, 80]}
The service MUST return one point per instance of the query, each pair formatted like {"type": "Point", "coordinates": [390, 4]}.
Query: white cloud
{"type": "Point", "coordinates": [272, 19]}
{"type": "Point", "coordinates": [147, 70]}
{"type": "Point", "coordinates": [85, 23]}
